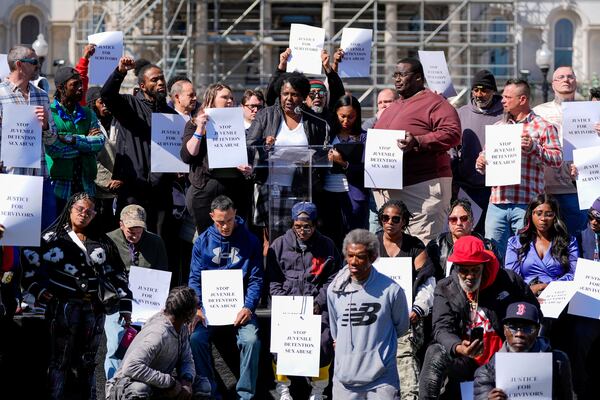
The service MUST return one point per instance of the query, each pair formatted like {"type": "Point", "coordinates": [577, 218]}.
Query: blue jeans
{"type": "Point", "coordinates": [114, 333]}
{"type": "Point", "coordinates": [503, 221]}
{"type": "Point", "coordinates": [248, 344]}
{"type": "Point", "coordinates": [573, 217]}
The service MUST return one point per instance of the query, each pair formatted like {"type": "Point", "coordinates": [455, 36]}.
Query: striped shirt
{"type": "Point", "coordinates": [546, 151]}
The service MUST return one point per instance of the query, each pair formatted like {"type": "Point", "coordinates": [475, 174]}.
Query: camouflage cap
{"type": "Point", "coordinates": [133, 216]}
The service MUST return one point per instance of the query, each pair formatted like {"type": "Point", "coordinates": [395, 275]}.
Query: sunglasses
{"type": "Point", "coordinates": [527, 329]}
{"type": "Point", "coordinates": [395, 219]}
{"type": "Point", "coordinates": [453, 220]}
{"type": "Point", "coordinates": [32, 61]}
{"type": "Point", "coordinates": [320, 93]}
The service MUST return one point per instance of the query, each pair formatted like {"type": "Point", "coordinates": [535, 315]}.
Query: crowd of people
{"type": "Point", "coordinates": [299, 231]}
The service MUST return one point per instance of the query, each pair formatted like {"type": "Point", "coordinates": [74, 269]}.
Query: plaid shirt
{"type": "Point", "coordinates": [546, 151]}
{"type": "Point", "coordinates": [11, 94]}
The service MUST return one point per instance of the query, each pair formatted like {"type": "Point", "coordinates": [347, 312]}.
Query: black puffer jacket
{"type": "Point", "coordinates": [562, 386]}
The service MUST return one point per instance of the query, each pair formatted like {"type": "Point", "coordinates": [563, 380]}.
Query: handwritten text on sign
{"type": "Point", "coordinates": [383, 159]}
{"type": "Point", "coordinates": [222, 295]}
{"type": "Point", "coordinates": [21, 137]}
{"type": "Point", "coordinates": [21, 209]}
{"type": "Point", "coordinates": [503, 154]}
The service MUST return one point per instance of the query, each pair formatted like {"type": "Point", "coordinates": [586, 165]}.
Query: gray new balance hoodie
{"type": "Point", "coordinates": [366, 320]}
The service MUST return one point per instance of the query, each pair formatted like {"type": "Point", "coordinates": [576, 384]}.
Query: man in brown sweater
{"type": "Point", "coordinates": [432, 128]}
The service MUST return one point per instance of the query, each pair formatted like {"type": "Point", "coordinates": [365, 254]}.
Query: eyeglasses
{"type": "Point", "coordinates": [527, 329]}
{"type": "Point", "coordinates": [32, 61]}
{"type": "Point", "coordinates": [453, 220]}
{"type": "Point", "coordinates": [320, 93]}
{"type": "Point", "coordinates": [83, 211]}
{"type": "Point", "coordinates": [303, 228]}
{"type": "Point", "coordinates": [395, 219]}
{"type": "Point", "coordinates": [547, 214]}
{"type": "Point", "coordinates": [561, 77]}
{"type": "Point", "coordinates": [254, 106]}
{"type": "Point", "coordinates": [397, 75]}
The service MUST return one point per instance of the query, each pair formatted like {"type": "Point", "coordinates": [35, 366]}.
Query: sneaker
{"type": "Point", "coordinates": [284, 391]}
{"type": "Point", "coordinates": [202, 387]}
{"type": "Point", "coordinates": [317, 396]}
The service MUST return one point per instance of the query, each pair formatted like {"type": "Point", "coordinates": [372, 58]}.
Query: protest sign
{"type": "Point", "coordinates": [448, 268]}
{"type": "Point", "coordinates": [587, 161]}
{"type": "Point", "coordinates": [524, 375]}
{"type": "Point", "coordinates": [399, 269]}
{"type": "Point", "coordinates": [436, 72]}
{"type": "Point", "coordinates": [150, 288]}
{"type": "Point", "coordinates": [555, 297]}
{"type": "Point", "coordinates": [356, 43]}
{"type": "Point", "coordinates": [226, 138]}
{"type": "Point", "coordinates": [301, 347]}
{"type": "Point", "coordinates": [283, 306]}
{"type": "Point", "coordinates": [586, 301]}
{"type": "Point", "coordinates": [578, 130]}
{"type": "Point", "coordinates": [222, 295]}
{"type": "Point", "coordinates": [109, 50]}
{"type": "Point", "coordinates": [4, 70]}
{"type": "Point", "coordinates": [383, 159]}
{"type": "Point", "coordinates": [21, 137]}
{"type": "Point", "coordinates": [306, 43]}
{"type": "Point", "coordinates": [503, 154]}
{"type": "Point", "coordinates": [21, 209]}
{"type": "Point", "coordinates": [167, 132]}
{"type": "Point", "coordinates": [477, 211]}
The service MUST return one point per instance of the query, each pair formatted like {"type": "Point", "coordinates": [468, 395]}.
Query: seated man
{"type": "Point", "coordinates": [227, 245]}
{"type": "Point", "coordinates": [161, 347]}
{"type": "Point", "coordinates": [474, 298]}
{"type": "Point", "coordinates": [521, 328]}
{"type": "Point", "coordinates": [304, 252]}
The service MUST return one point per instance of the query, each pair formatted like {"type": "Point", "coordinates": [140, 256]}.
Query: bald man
{"type": "Point", "coordinates": [384, 99]}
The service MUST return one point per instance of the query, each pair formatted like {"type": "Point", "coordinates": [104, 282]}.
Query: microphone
{"type": "Point", "coordinates": [298, 110]}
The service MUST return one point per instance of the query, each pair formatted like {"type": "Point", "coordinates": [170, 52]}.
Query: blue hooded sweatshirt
{"type": "Point", "coordinates": [240, 250]}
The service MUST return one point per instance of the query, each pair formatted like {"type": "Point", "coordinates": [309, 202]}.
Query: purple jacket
{"type": "Point", "coordinates": [545, 270]}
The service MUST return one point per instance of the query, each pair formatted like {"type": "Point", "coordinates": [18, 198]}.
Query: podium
{"type": "Point", "coordinates": [285, 175]}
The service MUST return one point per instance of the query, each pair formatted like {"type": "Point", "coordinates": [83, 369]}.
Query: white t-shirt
{"type": "Point", "coordinates": [283, 174]}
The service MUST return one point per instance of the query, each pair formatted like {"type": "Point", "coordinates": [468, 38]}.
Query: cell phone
{"type": "Point", "coordinates": [477, 333]}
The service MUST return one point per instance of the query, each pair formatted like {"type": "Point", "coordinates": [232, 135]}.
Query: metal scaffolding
{"type": "Point", "coordinates": [239, 42]}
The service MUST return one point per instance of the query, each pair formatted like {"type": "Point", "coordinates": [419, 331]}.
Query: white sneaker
{"type": "Point", "coordinates": [318, 387]}
{"type": "Point", "coordinates": [317, 396]}
{"type": "Point", "coordinates": [284, 391]}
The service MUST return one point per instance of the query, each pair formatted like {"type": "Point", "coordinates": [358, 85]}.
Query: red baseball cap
{"type": "Point", "coordinates": [469, 250]}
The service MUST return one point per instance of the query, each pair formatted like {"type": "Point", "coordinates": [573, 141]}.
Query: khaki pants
{"type": "Point", "coordinates": [407, 361]}
{"type": "Point", "coordinates": [428, 201]}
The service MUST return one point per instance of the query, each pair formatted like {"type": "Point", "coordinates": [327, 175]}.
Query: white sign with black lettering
{"type": "Point", "coordinates": [109, 50]}
{"type": "Point", "coordinates": [167, 131]}
{"type": "Point", "coordinates": [21, 137]}
{"type": "Point", "coordinates": [150, 288]}
{"type": "Point", "coordinates": [21, 209]}
{"type": "Point", "coordinates": [222, 295]}
{"type": "Point", "coordinates": [524, 375]}
{"type": "Point", "coordinates": [586, 301]}
{"type": "Point", "coordinates": [587, 161]}
{"type": "Point", "coordinates": [578, 130]}
{"type": "Point", "coordinates": [503, 154]}
{"type": "Point", "coordinates": [4, 70]}
{"type": "Point", "coordinates": [399, 269]}
{"type": "Point", "coordinates": [356, 43]}
{"type": "Point", "coordinates": [282, 307]}
{"type": "Point", "coordinates": [226, 138]}
{"type": "Point", "coordinates": [436, 72]}
{"type": "Point", "coordinates": [300, 349]}
{"type": "Point", "coordinates": [306, 43]}
{"type": "Point", "coordinates": [383, 159]}
{"type": "Point", "coordinates": [555, 297]}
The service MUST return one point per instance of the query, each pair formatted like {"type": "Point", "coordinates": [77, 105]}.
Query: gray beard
{"type": "Point", "coordinates": [483, 105]}
{"type": "Point", "coordinates": [317, 109]}
{"type": "Point", "coordinates": [467, 289]}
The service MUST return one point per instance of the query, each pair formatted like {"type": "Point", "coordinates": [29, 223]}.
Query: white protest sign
{"type": "Point", "coordinates": [21, 209]}
{"type": "Point", "coordinates": [383, 159]}
{"type": "Point", "coordinates": [306, 43]}
{"type": "Point", "coordinates": [226, 138]}
{"type": "Point", "coordinates": [524, 375]}
{"type": "Point", "coordinates": [4, 70]}
{"type": "Point", "coordinates": [555, 297]}
{"type": "Point", "coordinates": [477, 211]}
{"type": "Point", "coordinates": [150, 288]}
{"type": "Point", "coordinates": [587, 161]}
{"type": "Point", "coordinates": [578, 131]}
{"type": "Point", "coordinates": [436, 72]}
{"type": "Point", "coordinates": [399, 269]}
{"type": "Point", "coordinates": [448, 268]}
{"type": "Point", "coordinates": [586, 301]}
{"type": "Point", "coordinates": [503, 154]}
{"type": "Point", "coordinates": [222, 295]}
{"type": "Point", "coordinates": [466, 390]}
{"type": "Point", "coordinates": [301, 347]}
{"type": "Point", "coordinates": [167, 131]}
{"type": "Point", "coordinates": [356, 43]}
{"type": "Point", "coordinates": [283, 306]}
{"type": "Point", "coordinates": [109, 50]}
{"type": "Point", "coordinates": [21, 137]}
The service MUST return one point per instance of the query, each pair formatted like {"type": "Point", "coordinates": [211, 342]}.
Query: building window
{"type": "Point", "coordinates": [563, 43]}
{"type": "Point", "coordinates": [29, 29]}
{"type": "Point", "coordinates": [499, 55]}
